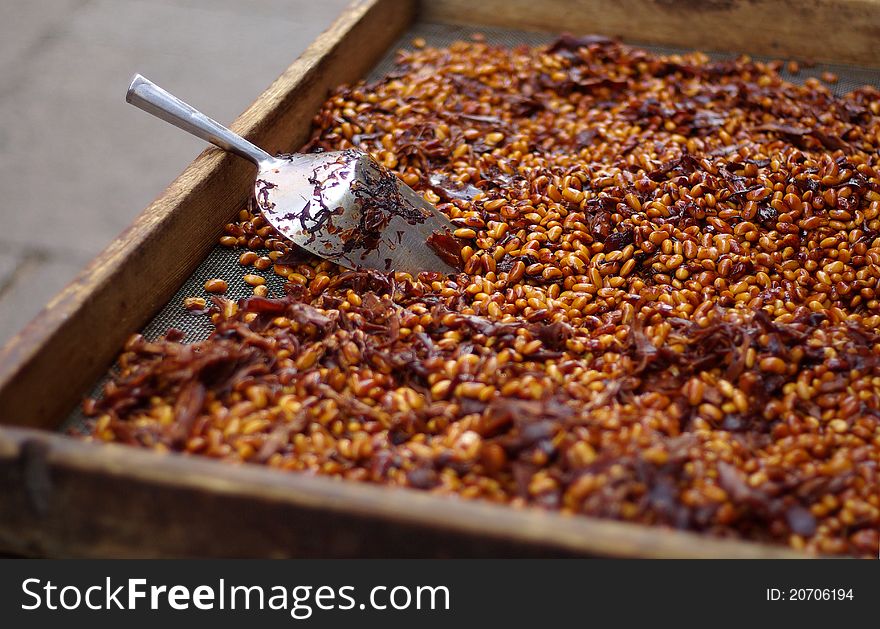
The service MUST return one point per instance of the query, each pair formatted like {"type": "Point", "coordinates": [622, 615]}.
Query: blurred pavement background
{"type": "Point", "coordinates": [77, 163]}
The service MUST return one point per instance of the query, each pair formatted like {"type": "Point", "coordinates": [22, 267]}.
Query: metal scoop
{"type": "Point", "coordinates": [340, 205]}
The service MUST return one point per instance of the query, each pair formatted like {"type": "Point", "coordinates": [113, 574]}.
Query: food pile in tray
{"type": "Point", "coordinates": [667, 310]}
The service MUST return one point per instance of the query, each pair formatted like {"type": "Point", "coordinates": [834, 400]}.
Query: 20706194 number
{"type": "Point", "coordinates": [820, 594]}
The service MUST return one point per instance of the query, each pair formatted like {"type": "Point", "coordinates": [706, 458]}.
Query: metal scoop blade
{"type": "Point", "coordinates": [342, 205]}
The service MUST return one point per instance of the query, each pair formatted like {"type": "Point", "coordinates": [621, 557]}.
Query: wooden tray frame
{"type": "Point", "coordinates": [60, 496]}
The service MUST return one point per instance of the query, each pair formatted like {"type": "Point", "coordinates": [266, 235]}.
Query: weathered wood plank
{"type": "Point", "coordinates": [841, 31]}
{"type": "Point", "coordinates": [64, 497]}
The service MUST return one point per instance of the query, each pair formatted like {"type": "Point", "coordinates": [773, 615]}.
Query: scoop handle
{"type": "Point", "coordinates": [146, 95]}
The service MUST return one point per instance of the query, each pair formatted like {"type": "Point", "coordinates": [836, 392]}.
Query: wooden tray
{"type": "Point", "coordinates": [63, 497]}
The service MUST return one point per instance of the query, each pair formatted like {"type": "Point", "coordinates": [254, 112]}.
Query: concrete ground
{"type": "Point", "coordinates": [77, 163]}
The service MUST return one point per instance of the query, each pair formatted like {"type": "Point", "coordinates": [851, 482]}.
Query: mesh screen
{"type": "Point", "coordinates": [222, 262]}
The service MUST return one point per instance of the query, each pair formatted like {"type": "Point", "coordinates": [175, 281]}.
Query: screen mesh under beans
{"type": "Point", "coordinates": [222, 262]}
